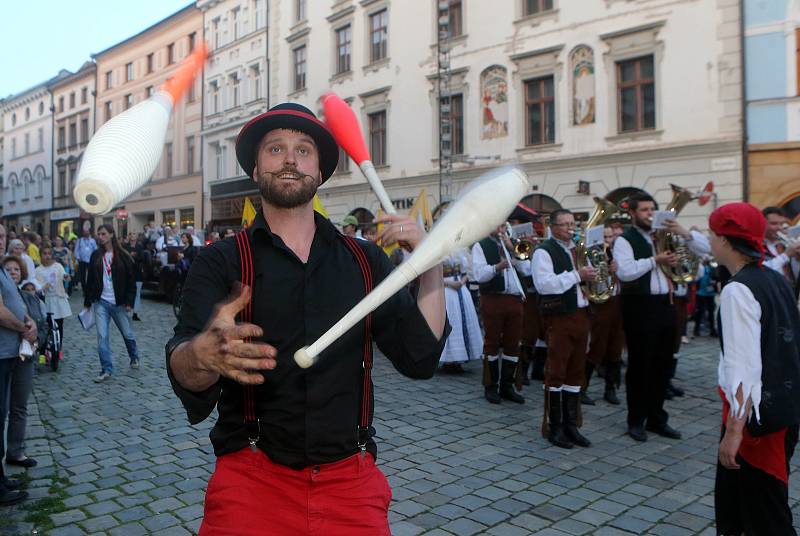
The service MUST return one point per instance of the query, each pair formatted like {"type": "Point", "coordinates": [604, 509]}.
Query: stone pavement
{"type": "Point", "coordinates": [119, 458]}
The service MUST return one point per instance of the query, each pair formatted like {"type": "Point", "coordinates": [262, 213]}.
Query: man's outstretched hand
{"type": "Point", "coordinates": [221, 349]}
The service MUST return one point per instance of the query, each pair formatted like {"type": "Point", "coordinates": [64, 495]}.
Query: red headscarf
{"type": "Point", "coordinates": [741, 220]}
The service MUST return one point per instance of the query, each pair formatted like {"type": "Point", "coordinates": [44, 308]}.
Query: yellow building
{"type": "Point", "coordinates": [128, 73]}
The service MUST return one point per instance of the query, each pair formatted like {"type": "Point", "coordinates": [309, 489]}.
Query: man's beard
{"type": "Point", "coordinates": [279, 196]}
{"type": "Point", "coordinates": [643, 223]}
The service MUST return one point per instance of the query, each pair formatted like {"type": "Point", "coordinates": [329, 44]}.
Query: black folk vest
{"type": "Point", "coordinates": [496, 285]}
{"type": "Point", "coordinates": [780, 348]}
{"type": "Point", "coordinates": [554, 304]}
{"type": "Point", "coordinates": [641, 250]}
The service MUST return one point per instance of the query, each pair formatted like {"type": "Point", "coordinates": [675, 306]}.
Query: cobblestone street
{"type": "Point", "coordinates": [126, 462]}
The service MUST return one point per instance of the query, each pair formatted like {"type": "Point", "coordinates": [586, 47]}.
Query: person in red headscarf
{"type": "Point", "coordinates": [759, 372]}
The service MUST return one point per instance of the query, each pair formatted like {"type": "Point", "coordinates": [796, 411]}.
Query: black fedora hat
{"type": "Point", "coordinates": [292, 116]}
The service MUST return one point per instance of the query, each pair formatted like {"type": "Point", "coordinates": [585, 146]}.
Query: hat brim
{"type": "Point", "coordinates": [255, 130]}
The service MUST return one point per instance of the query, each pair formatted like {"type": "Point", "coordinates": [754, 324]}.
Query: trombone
{"type": "Point", "coordinates": [524, 245]}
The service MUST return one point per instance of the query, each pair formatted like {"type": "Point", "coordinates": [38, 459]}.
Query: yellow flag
{"type": "Point", "coordinates": [421, 211]}
{"type": "Point", "coordinates": [248, 213]}
{"type": "Point", "coordinates": [318, 206]}
{"type": "Point", "coordinates": [391, 247]}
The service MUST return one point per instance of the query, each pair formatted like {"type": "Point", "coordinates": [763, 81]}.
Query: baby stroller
{"type": "Point", "coordinates": [52, 344]}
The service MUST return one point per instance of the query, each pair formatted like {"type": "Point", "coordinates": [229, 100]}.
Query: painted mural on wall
{"type": "Point", "coordinates": [494, 103]}
{"type": "Point", "coordinates": [581, 62]}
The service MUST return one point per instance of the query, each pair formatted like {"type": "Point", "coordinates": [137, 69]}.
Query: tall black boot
{"type": "Point", "coordinates": [612, 380]}
{"type": "Point", "coordinates": [526, 359]}
{"type": "Point", "coordinates": [507, 382]}
{"type": "Point", "coordinates": [571, 408]}
{"type": "Point", "coordinates": [490, 391]}
{"type": "Point", "coordinates": [555, 433]}
{"type": "Point", "coordinates": [539, 360]}
{"type": "Point", "coordinates": [672, 390]}
{"type": "Point", "coordinates": [585, 398]}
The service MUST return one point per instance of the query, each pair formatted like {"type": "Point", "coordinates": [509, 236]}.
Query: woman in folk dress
{"type": "Point", "coordinates": [465, 341]}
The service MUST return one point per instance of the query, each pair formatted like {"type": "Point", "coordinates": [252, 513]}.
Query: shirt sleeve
{"type": "Point", "coordinates": [546, 281]}
{"type": "Point", "coordinates": [207, 284]}
{"type": "Point", "coordinates": [699, 244]}
{"type": "Point", "coordinates": [740, 363]}
{"type": "Point", "coordinates": [628, 268]}
{"type": "Point", "coordinates": [482, 271]}
{"type": "Point", "coordinates": [401, 331]}
{"type": "Point", "coordinates": [524, 268]}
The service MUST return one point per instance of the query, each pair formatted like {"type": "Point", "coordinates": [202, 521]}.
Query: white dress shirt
{"type": "Point", "coordinates": [547, 282]}
{"type": "Point", "coordinates": [699, 243]}
{"type": "Point", "coordinates": [740, 363]}
{"type": "Point", "coordinates": [780, 260]}
{"type": "Point", "coordinates": [485, 272]}
{"type": "Point", "coordinates": [630, 269]}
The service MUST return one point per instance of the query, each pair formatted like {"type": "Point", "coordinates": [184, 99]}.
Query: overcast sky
{"type": "Point", "coordinates": [40, 37]}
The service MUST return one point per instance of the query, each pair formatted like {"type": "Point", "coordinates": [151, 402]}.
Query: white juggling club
{"type": "Point", "coordinates": [124, 152]}
{"type": "Point", "coordinates": [480, 209]}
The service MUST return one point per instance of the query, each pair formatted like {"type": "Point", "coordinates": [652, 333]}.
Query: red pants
{"type": "Point", "coordinates": [248, 495]}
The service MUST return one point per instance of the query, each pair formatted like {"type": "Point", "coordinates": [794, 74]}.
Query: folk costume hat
{"type": "Point", "coordinates": [291, 116]}
{"type": "Point", "coordinates": [523, 214]}
{"type": "Point", "coordinates": [742, 221]}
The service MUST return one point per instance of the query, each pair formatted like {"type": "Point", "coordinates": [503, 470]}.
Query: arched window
{"type": "Point", "coordinates": [14, 119]}
{"type": "Point", "coordinates": [39, 177]}
{"type": "Point", "coordinates": [41, 108]}
{"type": "Point", "coordinates": [791, 208]}
{"type": "Point", "coordinates": [27, 113]}
{"type": "Point", "coordinates": [26, 179]}
{"type": "Point", "coordinates": [13, 182]}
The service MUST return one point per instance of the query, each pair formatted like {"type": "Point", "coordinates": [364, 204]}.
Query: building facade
{"type": "Point", "coordinates": [26, 190]}
{"type": "Point", "coordinates": [772, 53]}
{"type": "Point", "coordinates": [130, 72]}
{"type": "Point", "coordinates": [598, 98]}
{"type": "Point", "coordinates": [74, 122]}
{"type": "Point", "coordinates": [235, 90]}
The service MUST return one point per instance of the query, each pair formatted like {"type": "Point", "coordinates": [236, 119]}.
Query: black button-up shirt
{"type": "Point", "coordinates": [308, 416]}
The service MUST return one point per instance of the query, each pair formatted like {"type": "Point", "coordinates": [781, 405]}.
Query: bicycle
{"type": "Point", "coordinates": [52, 346]}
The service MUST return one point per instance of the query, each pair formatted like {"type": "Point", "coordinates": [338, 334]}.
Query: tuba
{"type": "Point", "coordinates": [602, 288]}
{"type": "Point", "coordinates": [685, 270]}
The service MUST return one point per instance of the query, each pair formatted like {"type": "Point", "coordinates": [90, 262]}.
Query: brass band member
{"type": "Point", "coordinates": [699, 245]}
{"type": "Point", "coordinates": [781, 257]}
{"type": "Point", "coordinates": [607, 337]}
{"type": "Point", "coordinates": [532, 328]}
{"type": "Point", "coordinates": [501, 310]}
{"type": "Point", "coordinates": [565, 308]}
{"type": "Point", "coordinates": [649, 321]}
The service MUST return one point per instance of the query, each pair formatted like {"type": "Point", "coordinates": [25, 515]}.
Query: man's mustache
{"type": "Point", "coordinates": [295, 174]}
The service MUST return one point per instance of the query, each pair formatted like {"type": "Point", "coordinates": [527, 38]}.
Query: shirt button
{"type": "Point", "coordinates": [315, 469]}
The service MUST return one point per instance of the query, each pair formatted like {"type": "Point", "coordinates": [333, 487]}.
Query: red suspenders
{"type": "Point", "coordinates": [251, 421]}
{"type": "Point", "coordinates": [366, 391]}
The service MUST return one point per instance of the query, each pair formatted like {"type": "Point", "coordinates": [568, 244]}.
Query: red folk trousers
{"type": "Point", "coordinates": [248, 495]}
